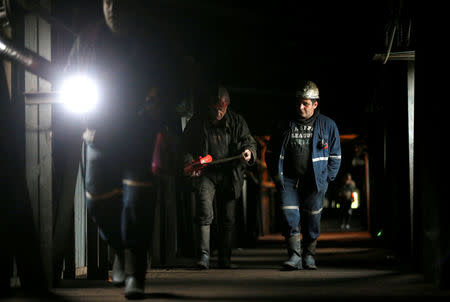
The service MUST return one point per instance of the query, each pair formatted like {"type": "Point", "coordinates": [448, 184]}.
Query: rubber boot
{"type": "Point", "coordinates": [204, 236]}
{"type": "Point", "coordinates": [308, 255]}
{"type": "Point", "coordinates": [224, 257]}
{"type": "Point", "coordinates": [118, 268]}
{"type": "Point", "coordinates": [135, 269]}
{"type": "Point", "coordinates": [294, 249]}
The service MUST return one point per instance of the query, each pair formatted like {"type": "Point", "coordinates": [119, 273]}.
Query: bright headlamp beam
{"type": "Point", "coordinates": [79, 93]}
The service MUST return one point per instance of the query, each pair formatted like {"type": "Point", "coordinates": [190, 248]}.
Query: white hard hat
{"type": "Point", "coordinates": [307, 90]}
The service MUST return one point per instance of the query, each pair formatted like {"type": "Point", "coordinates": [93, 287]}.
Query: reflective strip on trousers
{"type": "Point", "coordinates": [104, 195]}
{"type": "Point", "coordinates": [313, 212]}
{"type": "Point", "coordinates": [135, 183]}
{"type": "Point", "coordinates": [290, 208]}
{"type": "Point", "coordinates": [316, 159]}
{"type": "Point", "coordinates": [319, 159]}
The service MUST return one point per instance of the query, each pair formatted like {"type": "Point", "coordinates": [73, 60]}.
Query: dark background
{"type": "Point", "coordinates": [260, 50]}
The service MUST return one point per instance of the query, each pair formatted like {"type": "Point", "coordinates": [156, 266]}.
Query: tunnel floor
{"type": "Point", "coordinates": [352, 267]}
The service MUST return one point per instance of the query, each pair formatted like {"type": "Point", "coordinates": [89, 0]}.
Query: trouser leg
{"type": "Point", "coordinates": [348, 213]}
{"type": "Point", "coordinates": [290, 208]}
{"type": "Point", "coordinates": [104, 194]}
{"type": "Point", "coordinates": [106, 213]}
{"type": "Point", "coordinates": [310, 224]}
{"type": "Point", "coordinates": [139, 199]}
{"type": "Point", "coordinates": [312, 206]}
{"type": "Point", "coordinates": [204, 197]}
{"type": "Point", "coordinates": [137, 223]}
{"type": "Point", "coordinates": [227, 217]}
{"type": "Point", "coordinates": [291, 220]}
{"type": "Point", "coordinates": [137, 213]}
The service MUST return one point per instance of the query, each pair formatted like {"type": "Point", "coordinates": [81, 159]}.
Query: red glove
{"type": "Point", "coordinates": [196, 166]}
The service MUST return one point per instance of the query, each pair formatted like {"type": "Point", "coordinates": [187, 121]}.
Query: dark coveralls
{"type": "Point", "coordinates": [229, 137]}
{"type": "Point", "coordinates": [304, 194]}
{"type": "Point", "coordinates": [119, 142]}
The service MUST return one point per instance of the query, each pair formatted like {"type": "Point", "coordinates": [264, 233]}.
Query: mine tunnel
{"type": "Point", "coordinates": [388, 240]}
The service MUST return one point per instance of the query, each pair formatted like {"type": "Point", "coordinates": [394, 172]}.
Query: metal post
{"type": "Point", "coordinates": [411, 149]}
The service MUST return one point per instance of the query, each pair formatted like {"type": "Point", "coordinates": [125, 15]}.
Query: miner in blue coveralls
{"type": "Point", "coordinates": [303, 157]}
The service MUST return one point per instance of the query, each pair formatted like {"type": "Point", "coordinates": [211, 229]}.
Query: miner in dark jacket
{"type": "Point", "coordinates": [121, 140]}
{"type": "Point", "coordinates": [217, 131]}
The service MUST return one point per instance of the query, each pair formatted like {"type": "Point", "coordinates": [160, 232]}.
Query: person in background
{"type": "Point", "coordinates": [303, 157]}
{"type": "Point", "coordinates": [346, 190]}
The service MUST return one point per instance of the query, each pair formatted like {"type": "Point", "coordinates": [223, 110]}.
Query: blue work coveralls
{"type": "Point", "coordinates": [306, 195]}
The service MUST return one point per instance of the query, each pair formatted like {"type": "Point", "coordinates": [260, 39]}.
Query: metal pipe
{"type": "Point", "coordinates": [28, 59]}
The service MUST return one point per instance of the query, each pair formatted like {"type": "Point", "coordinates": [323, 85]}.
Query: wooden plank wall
{"type": "Point", "coordinates": [80, 228]}
{"type": "Point", "coordinates": [38, 144]}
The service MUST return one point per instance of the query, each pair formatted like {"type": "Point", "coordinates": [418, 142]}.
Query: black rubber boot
{"type": "Point", "coordinates": [135, 269]}
{"type": "Point", "coordinates": [118, 269]}
{"type": "Point", "coordinates": [204, 236]}
{"type": "Point", "coordinates": [294, 250]}
{"type": "Point", "coordinates": [224, 257]}
{"type": "Point", "coordinates": [308, 255]}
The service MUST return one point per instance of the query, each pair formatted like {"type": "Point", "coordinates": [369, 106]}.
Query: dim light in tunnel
{"type": "Point", "coordinates": [355, 202]}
